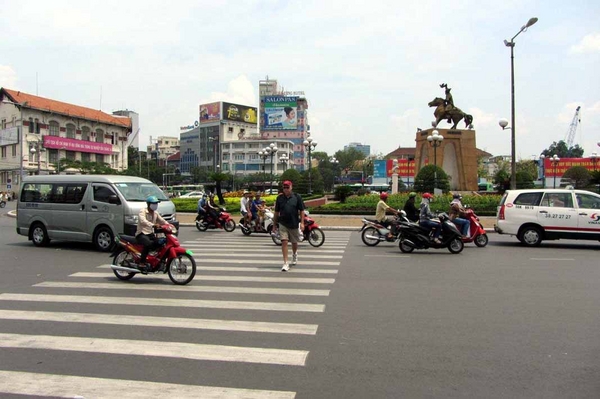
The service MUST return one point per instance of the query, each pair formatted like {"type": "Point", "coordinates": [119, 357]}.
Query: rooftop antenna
{"type": "Point", "coordinates": [100, 98]}
{"type": "Point", "coordinates": [36, 83]}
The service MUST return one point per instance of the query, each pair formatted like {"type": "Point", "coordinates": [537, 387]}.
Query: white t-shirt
{"type": "Point", "coordinates": [244, 204]}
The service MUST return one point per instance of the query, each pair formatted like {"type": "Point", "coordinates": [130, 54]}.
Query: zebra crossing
{"type": "Point", "coordinates": [239, 295]}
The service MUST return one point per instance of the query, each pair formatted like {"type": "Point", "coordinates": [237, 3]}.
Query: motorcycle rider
{"type": "Point", "coordinates": [148, 219]}
{"type": "Point", "coordinates": [257, 207]}
{"type": "Point", "coordinates": [202, 207]}
{"type": "Point", "coordinates": [456, 211]}
{"type": "Point", "coordinates": [213, 210]}
{"type": "Point", "coordinates": [412, 213]}
{"type": "Point", "coordinates": [425, 217]}
{"type": "Point", "coordinates": [245, 203]}
{"type": "Point", "coordinates": [382, 208]}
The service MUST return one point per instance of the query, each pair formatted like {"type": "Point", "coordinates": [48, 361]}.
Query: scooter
{"type": "Point", "coordinates": [373, 232]}
{"type": "Point", "coordinates": [265, 227]}
{"type": "Point", "coordinates": [168, 256]}
{"type": "Point", "coordinates": [312, 233]}
{"type": "Point", "coordinates": [224, 221]}
{"type": "Point", "coordinates": [2, 204]}
{"type": "Point", "coordinates": [412, 236]}
{"type": "Point", "coordinates": [477, 232]}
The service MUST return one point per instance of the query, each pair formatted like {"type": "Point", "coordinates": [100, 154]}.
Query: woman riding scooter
{"type": "Point", "coordinates": [425, 217]}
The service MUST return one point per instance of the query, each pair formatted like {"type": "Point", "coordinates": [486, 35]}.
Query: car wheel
{"type": "Point", "coordinates": [104, 239]}
{"type": "Point", "coordinates": [531, 236]}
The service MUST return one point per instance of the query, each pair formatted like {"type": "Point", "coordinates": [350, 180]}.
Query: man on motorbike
{"type": "Point", "coordinates": [202, 207]}
{"type": "Point", "coordinates": [425, 217]}
{"type": "Point", "coordinates": [148, 219]}
{"type": "Point", "coordinates": [412, 213]}
{"type": "Point", "coordinates": [456, 211]}
{"type": "Point", "coordinates": [382, 208]}
{"type": "Point", "coordinates": [245, 203]}
{"type": "Point", "coordinates": [212, 208]}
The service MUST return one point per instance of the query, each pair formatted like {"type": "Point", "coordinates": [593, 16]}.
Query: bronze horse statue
{"type": "Point", "coordinates": [455, 114]}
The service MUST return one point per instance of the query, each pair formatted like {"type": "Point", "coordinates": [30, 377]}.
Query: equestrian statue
{"type": "Point", "coordinates": [445, 109]}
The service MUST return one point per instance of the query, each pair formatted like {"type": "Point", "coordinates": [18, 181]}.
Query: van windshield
{"type": "Point", "coordinates": [140, 191]}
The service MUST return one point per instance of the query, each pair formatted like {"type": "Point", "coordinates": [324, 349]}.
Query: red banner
{"type": "Point", "coordinates": [61, 143]}
{"type": "Point", "coordinates": [566, 163]}
{"type": "Point", "coordinates": [405, 167]}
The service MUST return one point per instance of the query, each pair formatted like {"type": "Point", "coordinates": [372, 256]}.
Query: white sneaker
{"type": "Point", "coordinates": [294, 259]}
{"type": "Point", "coordinates": [285, 267]}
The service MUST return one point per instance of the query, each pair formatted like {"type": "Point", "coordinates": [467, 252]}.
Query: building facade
{"type": "Point", "coordinates": [162, 148]}
{"type": "Point", "coordinates": [365, 149]}
{"type": "Point", "coordinates": [36, 132]}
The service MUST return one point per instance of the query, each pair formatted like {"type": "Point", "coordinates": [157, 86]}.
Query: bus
{"type": "Point", "coordinates": [184, 188]}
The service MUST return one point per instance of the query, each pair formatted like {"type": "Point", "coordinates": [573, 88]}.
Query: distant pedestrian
{"type": "Point", "coordinates": [289, 212]}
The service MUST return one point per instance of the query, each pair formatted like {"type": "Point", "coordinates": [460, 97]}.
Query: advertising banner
{"type": "Point", "coordinates": [280, 113]}
{"type": "Point", "coordinates": [405, 167]}
{"type": "Point", "coordinates": [61, 143]}
{"type": "Point", "coordinates": [239, 113]}
{"type": "Point", "coordinates": [9, 136]}
{"type": "Point", "coordinates": [566, 163]}
{"type": "Point", "coordinates": [210, 112]}
{"type": "Point", "coordinates": [379, 168]}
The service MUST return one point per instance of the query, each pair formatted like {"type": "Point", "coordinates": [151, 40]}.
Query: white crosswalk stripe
{"type": "Point", "coordinates": [235, 274]}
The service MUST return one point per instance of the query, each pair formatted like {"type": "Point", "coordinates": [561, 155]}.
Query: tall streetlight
{"type": "Point", "coordinates": [503, 122]}
{"type": "Point", "coordinates": [542, 160]}
{"type": "Point", "coordinates": [594, 157]}
{"type": "Point", "coordinates": [272, 151]}
{"type": "Point", "coordinates": [554, 160]}
{"type": "Point", "coordinates": [37, 146]}
{"type": "Point", "coordinates": [310, 145]}
{"type": "Point", "coordinates": [435, 140]}
{"type": "Point", "coordinates": [263, 154]}
{"type": "Point", "coordinates": [284, 159]}
{"type": "Point", "coordinates": [335, 164]}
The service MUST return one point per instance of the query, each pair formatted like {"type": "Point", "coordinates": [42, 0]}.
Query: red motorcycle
{"type": "Point", "coordinates": [312, 233]}
{"type": "Point", "coordinates": [477, 232]}
{"type": "Point", "coordinates": [167, 256]}
{"type": "Point", "coordinates": [223, 221]}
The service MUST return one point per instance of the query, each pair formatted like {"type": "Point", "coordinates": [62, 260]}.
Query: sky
{"type": "Point", "coordinates": [368, 70]}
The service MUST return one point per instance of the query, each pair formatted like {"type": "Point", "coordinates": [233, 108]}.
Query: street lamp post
{"type": "Point", "coordinates": [273, 150]}
{"type": "Point", "coordinates": [263, 155]}
{"type": "Point", "coordinates": [554, 160]}
{"type": "Point", "coordinates": [594, 157]}
{"type": "Point", "coordinates": [37, 147]}
{"type": "Point", "coordinates": [435, 140]}
{"type": "Point", "coordinates": [284, 159]}
{"type": "Point", "coordinates": [335, 163]}
{"type": "Point", "coordinates": [504, 122]}
{"type": "Point", "coordinates": [542, 160]}
{"type": "Point", "coordinates": [310, 145]}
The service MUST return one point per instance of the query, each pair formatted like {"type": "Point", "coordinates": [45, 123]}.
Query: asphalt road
{"type": "Point", "coordinates": [347, 322]}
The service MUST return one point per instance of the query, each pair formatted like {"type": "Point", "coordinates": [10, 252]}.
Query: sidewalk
{"type": "Point", "coordinates": [333, 222]}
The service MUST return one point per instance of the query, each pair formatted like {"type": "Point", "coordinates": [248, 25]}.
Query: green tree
{"type": "Point", "coordinates": [425, 179]}
{"type": "Point", "coordinates": [218, 178]}
{"type": "Point", "coordinates": [348, 159]}
{"type": "Point", "coordinates": [561, 150]}
{"type": "Point", "coordinates": [524, 179]}
{"type": "Point", "coordinates": [579, 175]}
{"type": "Point", "coordinates": [292, 175]}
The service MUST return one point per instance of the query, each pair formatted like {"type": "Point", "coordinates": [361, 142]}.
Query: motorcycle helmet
{"type": "Point", "coordinates": [152, 200]}
{"type": "Point", "coordinates": [427, 196]}
{"type": "Point", "coordinates": [383, 196]}
{"type": "Point", "coordinates": [457, 196]}
{"type": "Point", "coordinates": [412, 194]}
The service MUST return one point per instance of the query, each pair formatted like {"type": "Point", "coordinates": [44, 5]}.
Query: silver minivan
{"type": "Point", "coordinates": [85, 207]}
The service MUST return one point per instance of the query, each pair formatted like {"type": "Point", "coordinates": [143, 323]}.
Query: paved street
{"type": "Point", "coordinates": [348, 321]}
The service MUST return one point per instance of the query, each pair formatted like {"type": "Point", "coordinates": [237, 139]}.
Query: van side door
{"type": "Point", "coordinates": [588, 215]}
{"type": "Point", "coordinates": [101, 211]}
{"type": "Point", "coordinates": [69, 221]}
{"type": "Point", "coordinates": [557, 214]}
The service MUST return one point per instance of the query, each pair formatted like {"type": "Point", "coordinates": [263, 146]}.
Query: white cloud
{"type": "Point", "coordinates": [8, 77]}
{"type": "Point", "coordinates": [589, 44]}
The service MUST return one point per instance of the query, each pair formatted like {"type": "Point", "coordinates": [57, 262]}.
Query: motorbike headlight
{"type": "Point", "coordinates": [131, 219]}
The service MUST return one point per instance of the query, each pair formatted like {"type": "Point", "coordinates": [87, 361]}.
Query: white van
{"type": "Point", "coordinates": [534, 215]}
{"type": "Point", "coordinates": [85, 207]}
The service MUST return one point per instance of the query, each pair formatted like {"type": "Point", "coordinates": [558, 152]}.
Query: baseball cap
{"type": "Point", "coordinates": [287, 183]}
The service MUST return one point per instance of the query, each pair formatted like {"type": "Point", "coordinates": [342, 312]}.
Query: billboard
{"type": "Point", "coordinates": [9, 136]}
{"type": "Point", "coordinates": [210, 112]}
{"type": "Point", "coordinates": [566, 163]}
{"type": "Point", "coordinates": [61, 143]}
{"type": "Point", "coordinates": [280, 113]}
{"type": "Point", "coordinates": [239, 113]}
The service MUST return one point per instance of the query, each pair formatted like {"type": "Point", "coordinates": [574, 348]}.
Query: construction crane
{"type": "Point", "coordinates": [573, 128]}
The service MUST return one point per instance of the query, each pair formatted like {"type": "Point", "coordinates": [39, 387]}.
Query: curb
{"type": "Point", "coordinates": [12, 214]}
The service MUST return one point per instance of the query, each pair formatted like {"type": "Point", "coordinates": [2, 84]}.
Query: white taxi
{"type": "Point", "coordinates": [549, 214]}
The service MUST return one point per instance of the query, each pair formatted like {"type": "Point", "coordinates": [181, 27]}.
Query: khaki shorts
{"type": "Point", "coordinates": [287, 234]}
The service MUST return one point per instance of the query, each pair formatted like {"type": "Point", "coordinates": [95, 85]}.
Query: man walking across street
{"type": "Point", "coordinates": [289, 211]}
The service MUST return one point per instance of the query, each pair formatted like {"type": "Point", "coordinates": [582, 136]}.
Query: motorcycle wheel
{"type": "Point", "coordinates": [229, 226]}
{"type": "Point", "coordinates": [456, 246]}
{"type": "Point", "coordinates": [201, 225]}
{"type": "Point", "coordinates": [370, 231]}
{"type": "Point", "coordinates": [2, 204]}
{"type": "Point", "coordinates": [481, 240]}
{"type": "Point", "coordinates": [181, 269]}
{"type": "Point", "coordinates": [276, 238]}
{"type": "Point", "coordinates": [405, 248]}
{"type": "Point", "coordinates": [125, 259]}
{"type": "Point", "coordinates": [245, 231]}
{"type": "Point", "coordinates": [316, 237]}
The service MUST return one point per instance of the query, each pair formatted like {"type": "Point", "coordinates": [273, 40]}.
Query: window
{"type": "Point", "coordinates": [558, 200]}
{"type": "Point", "coordinates": [30, 125]}
{"type": "Point", "coordinates": [53, 156]}
{"type": "Point", "coordinates": [99, 158]}
{"type": "Point", "coordinates": [85, 157]}
{"type": "Point", "coordinates": [71, 155]}
{"type": "Point", "coordinates": [53, 128]}
{"type": "Point", "coordinates": [588, 201]}
{"type": "Point", "coordinates": [529, 199]}
{"type": "Point", "coordinates": [99, 136]}
{"type": "Point", "coordinates": [37, 126]}
{"type": "Point", "coordinates": [230, 129]}
{"type": "Point", "coordinates": [36, 192]}
{"type": "Point", "coordinates": [14, 150]}
{"type": "Point", "coordinates": [3, 124]}
{"type": "Point", "coordinates": [112, 138]}
{"type": "Point", "coordinates": [102, 193]}
{"type": "Point", "coordinates": [85, 133]}
{"type": "Point", "coordinates": [3, 152]}
{"type": "Point", "coordinates": [70, 131]}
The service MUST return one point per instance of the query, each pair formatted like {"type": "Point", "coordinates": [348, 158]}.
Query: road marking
{"type": "Point", "coordinates": [266, 262]}
{"type": "Point", "coordinates": [228, 244]}
{"type": "Point", "coordinates": [388, 256]}
{"type": "Point", "coordinates": [551, 259]}
{"type": "Point", "coordinates": [277, 255]}
{"type": "Point", "coordinates": [182, 303]}
{"type": "Point", "coordinates": [181, 350]}
{"type": "Point", "coordinates": [167, 322]}
{"type": "Point", "coordinates": [251, 269]}
{"type": "Point", "coordinates": [276, 250]}
{"type": "Point", "coordinates": [21, 383]}
{"type": "Point", "coordinates": [206, 277]}
{"type": "Point", "coordinates": [187, 288]}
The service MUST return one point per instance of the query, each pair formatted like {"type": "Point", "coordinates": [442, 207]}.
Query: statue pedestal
{"type": "Point", "coordinates": [457, 156]}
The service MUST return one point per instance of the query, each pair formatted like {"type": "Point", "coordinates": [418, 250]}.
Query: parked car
{"type": "Point", "coordinates": [193, 194]}
{"type": "Point", "coordinates": [534, 215]}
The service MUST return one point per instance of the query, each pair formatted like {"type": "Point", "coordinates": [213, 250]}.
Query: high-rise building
{"type": "Point", "coordinates": [364, 148]}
